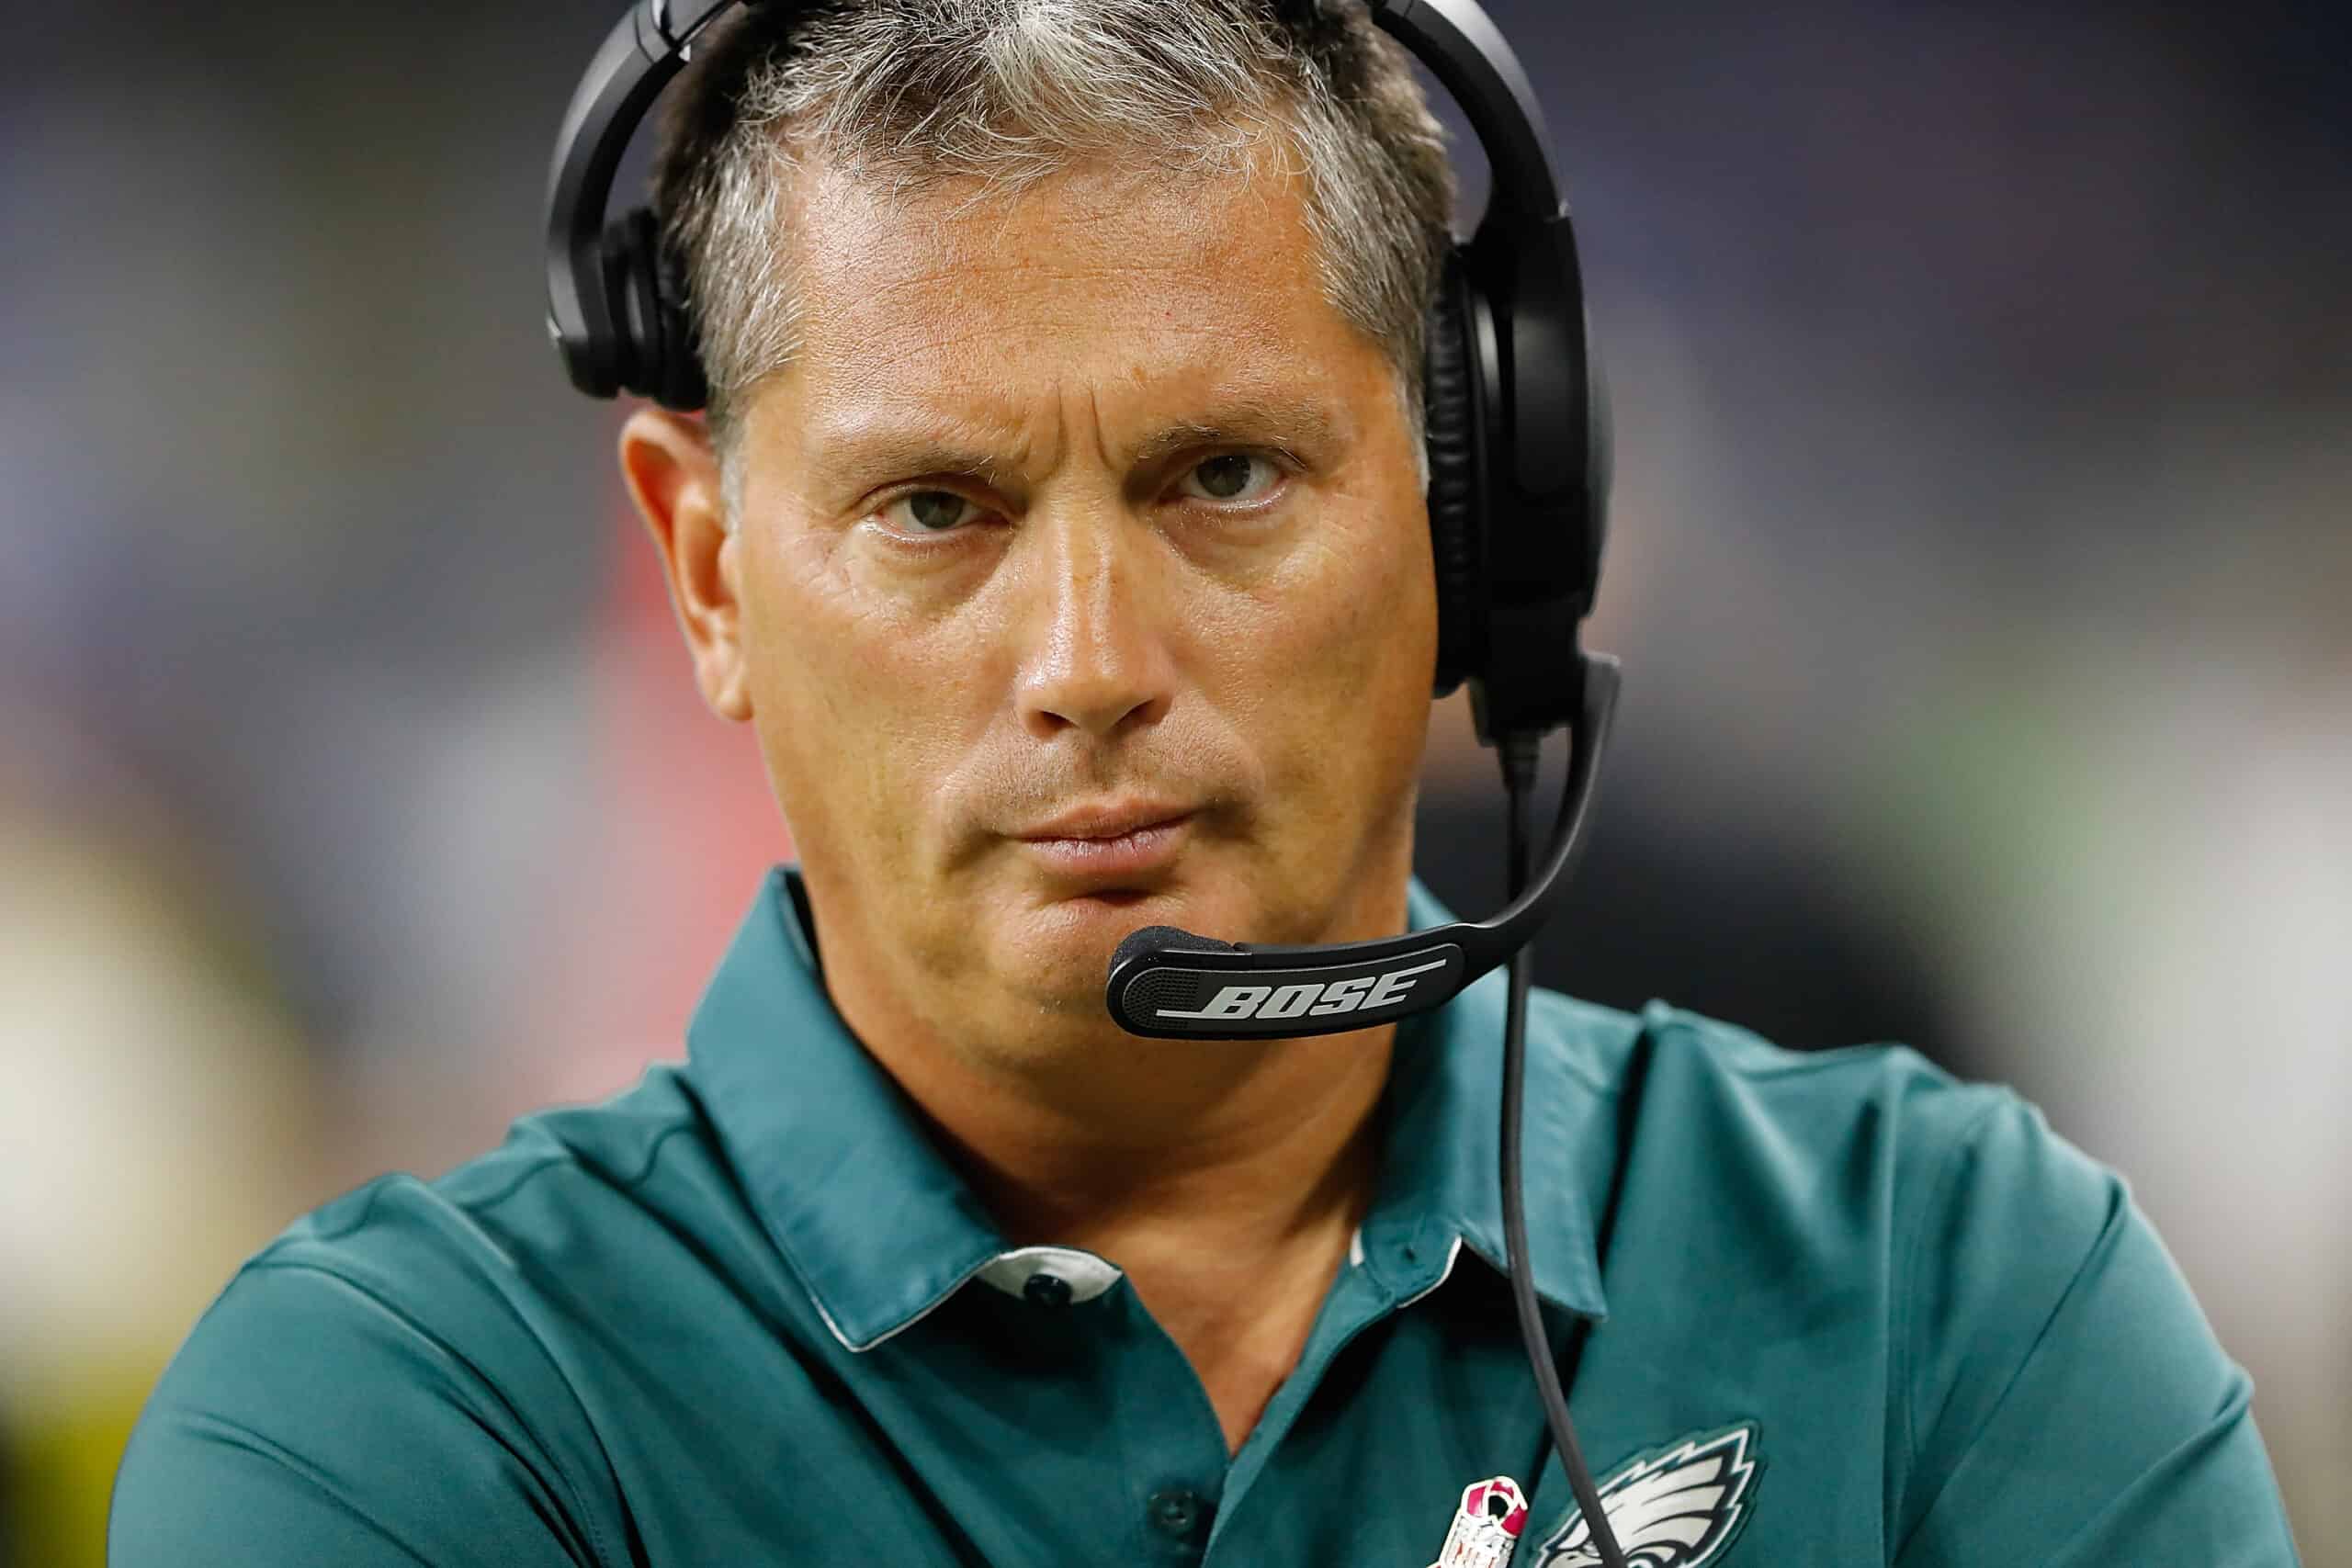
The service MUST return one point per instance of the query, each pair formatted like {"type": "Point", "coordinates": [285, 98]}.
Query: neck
{"type": "Point", "coordinates": [1229, 1229]}
{"type": "Point", "coordinates": [1225, 1179]}
{"type": "Point", "coordinates": [1079, 1133]}
{"type": "Point", "coordinates": [1234, 1145]}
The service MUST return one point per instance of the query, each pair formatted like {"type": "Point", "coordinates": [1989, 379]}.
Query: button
{"type": "Point", "coordinates": [1175, 1512]}
{"type": "Point", "coordinates": [1047, 1290]}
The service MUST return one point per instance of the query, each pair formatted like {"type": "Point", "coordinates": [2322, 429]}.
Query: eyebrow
{"type": "Point", "coordinates": [1243, 422]}
{"type": "Point", "coordinates": [860, 447]}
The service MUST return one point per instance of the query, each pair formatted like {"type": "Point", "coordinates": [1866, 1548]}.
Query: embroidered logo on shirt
{"type": "Point", "coordinates": [1676, 1507]}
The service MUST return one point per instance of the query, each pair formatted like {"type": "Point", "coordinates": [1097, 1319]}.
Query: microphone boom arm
{"type": "Point", "coordinates": [1170, 984]}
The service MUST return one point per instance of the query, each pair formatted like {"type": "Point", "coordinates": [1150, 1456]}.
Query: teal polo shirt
{"type": "Point", "coordinates": [745, 1314]}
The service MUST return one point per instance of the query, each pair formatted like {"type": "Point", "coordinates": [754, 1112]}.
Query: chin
{"type": "Point", "coordinates": [1059, 951]}
{"type": "Point", "coordinates": [1228, 908]}
{"type": "Point", "coordinates": [1083, 930]}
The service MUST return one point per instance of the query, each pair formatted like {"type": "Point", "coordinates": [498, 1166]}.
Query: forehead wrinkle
{"type": "Point", "coordinates": [1068, 245]}
{"type": "Point", "coordinates": [1248, 343]}
{"type": "Point", "coordinates": [953, 308]}
{"type": "Point", "coordinates": [878, 326]}
{"type": "Point", "coordinates": [889, 349]}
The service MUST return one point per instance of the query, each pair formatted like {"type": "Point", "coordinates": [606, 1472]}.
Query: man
{"type": "Point", "coordinates": [1059, 525]}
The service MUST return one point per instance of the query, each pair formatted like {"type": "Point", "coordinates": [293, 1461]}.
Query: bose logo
{"type": "Point", "coordinates": [1311, 997]}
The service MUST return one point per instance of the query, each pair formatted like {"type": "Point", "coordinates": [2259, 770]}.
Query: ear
{"type": "Point", "coordinates": [673, 475]}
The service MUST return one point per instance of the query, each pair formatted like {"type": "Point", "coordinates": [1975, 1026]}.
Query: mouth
{"type": "Point", "coordinates": [1098, 845]}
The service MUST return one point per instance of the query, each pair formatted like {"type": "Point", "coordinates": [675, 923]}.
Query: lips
{"type": "Point", "coordinates": [1104, 844]}
{"type": "Point", "coordinates": [1105, 822]}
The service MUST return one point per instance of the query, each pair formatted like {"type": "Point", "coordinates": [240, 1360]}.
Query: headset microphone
{"type": "Point", "coordinates": [1174, 984]}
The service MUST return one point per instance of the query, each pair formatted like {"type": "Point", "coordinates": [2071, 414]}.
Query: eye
{"type": "Point", "coordinates": [929, 511]}
{"type": "Point", "coordinates": [1228, 478]}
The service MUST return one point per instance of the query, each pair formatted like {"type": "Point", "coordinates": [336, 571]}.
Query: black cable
{"type": "Point", "coordinates": [1520, 755]}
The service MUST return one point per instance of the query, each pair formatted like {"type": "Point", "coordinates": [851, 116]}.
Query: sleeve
{"type": "Point", "coordinates": [2065, 1402]}
{"type": "Point", "coordinates": [307, 1420]}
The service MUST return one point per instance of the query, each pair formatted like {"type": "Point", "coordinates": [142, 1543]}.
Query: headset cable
{"type": "Point", "coordinates": [1520, 755]}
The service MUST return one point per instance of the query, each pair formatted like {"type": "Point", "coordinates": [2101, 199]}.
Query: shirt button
{"type": "Point", "coordinates": [1047, 1290]}
{"type": "Point", "coordinates": [1175, 1513]}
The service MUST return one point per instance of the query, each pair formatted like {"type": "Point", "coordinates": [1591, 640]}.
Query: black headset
{"type": "Point", "coordinates": [1518, 439]}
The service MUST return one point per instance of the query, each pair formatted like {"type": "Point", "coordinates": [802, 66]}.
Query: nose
{"type": "Point", "coordinates": [1098, 664]}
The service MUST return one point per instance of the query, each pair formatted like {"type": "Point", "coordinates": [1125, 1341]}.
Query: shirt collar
{"type": "Point", "coordinates": [1441, 1191]}
{"type": "Point", "coordinates": [869, 1217]}
{"type": "Point", "coordinates": [881, 1230]}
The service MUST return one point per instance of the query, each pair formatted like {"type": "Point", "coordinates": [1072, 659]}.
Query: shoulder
{"type": "Point", "coordinates": [387, 1375]}
{"type": "Point", "coordinates": [1728, 1089]}
{"type": "Point", "coordinates": [1883, 1104]}
{"type": "Point", "coordinates": [1956, 1201]}
{"type": "Point", "coordinates": [557, 1170]}
{"type": "Point", "coordinates": [1937, 1179]}
{"type": "Point", "coordinates": [1943, 1177]}
{"type": "Point", "coordinates": [2046, 1367]}
{"type": "Point", "coordinates": [466, 1252]}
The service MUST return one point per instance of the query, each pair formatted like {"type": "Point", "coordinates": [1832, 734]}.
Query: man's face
{"type": "Point", "coordinates": [1077, 513]}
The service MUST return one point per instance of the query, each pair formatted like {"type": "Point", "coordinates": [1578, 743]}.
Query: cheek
{"type": "Point", "coordinates": [1352, 630]}
{"type": "Point", "coordinates": [857, 700]}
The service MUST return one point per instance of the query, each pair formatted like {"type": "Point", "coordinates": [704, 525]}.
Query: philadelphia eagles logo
{"type": "Point", "coordinates": [1676, 1508]}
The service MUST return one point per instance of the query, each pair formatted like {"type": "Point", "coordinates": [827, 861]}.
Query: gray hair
{"type": "Point", "coordinates": [913, 93]}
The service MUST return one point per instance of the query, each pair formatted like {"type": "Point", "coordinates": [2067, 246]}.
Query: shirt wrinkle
{"type": "Point", "coordinates": [1905, 1300]}
{"type": "Point", "coordinates": [2237, 1409]}
{"type": "Point", "coordinates": [236, 1434]}
{"type": "Point", "coordinates": [2101, 1245]}
{"type": "Point", "coordinates": [478, 1376]}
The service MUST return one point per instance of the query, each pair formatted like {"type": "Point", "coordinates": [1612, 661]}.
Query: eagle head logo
{"type": "Point", "coordinates": [1677, 1508]}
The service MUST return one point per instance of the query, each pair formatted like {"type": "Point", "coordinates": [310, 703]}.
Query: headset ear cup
{"type": "Point", "coordinates": [682, 385]}
{"type": "Point", "coordinates": [620, 304]}
{"type": "Point", "coordinates": [636, 310]}
{"type": "Point", "coordinates": [1457, 549]}
{"type": "Point", "coordinates": [653, 334]}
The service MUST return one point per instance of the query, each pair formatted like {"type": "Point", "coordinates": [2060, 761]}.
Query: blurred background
{"type": "Point", "coordinates": [1981, 563]}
